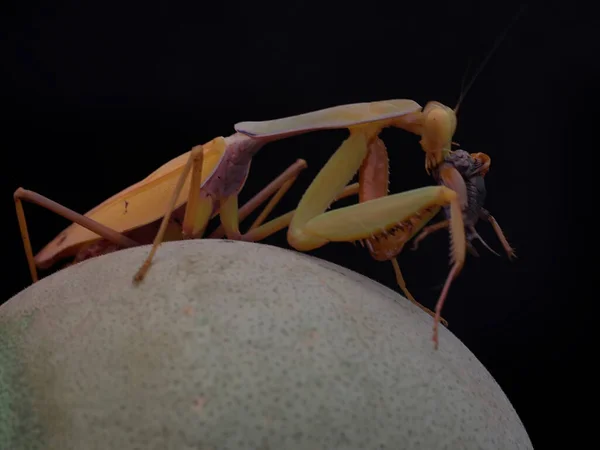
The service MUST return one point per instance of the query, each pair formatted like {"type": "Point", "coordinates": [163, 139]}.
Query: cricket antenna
{"type": "Point", "coordinates": [462, 82]}
{"type": "Point", "coordinates": [499, 40]}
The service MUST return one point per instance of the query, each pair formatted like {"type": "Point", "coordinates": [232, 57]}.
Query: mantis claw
{"type": "Point", "coordinates": [512, 255]}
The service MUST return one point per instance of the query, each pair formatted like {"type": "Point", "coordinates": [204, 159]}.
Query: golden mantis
{"type": "Point", "coordinates": [205, 182]}
{"type": "Point", "coordinates": [180, 198]}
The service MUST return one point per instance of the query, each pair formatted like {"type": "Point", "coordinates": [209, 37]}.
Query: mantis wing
{"type": "Point", "coordinates": [343, 116]}
{"type": "Point", "coordinates": [139, 204]}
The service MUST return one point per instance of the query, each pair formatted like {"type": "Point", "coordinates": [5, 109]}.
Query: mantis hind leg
{"type": "Point", "coordinates": [194, 213]}
{"type": "Point", "coordinates": [96, 227]}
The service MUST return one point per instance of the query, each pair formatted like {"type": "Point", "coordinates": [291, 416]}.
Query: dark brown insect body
{"type": "Point", "coordinates": [472, 168]}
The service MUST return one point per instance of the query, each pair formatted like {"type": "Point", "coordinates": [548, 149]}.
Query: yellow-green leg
{"type": "Point", "coordinates": [258, 232]}
{"type": "Point", "coordinates": [231, 216]}
{"type": "Point", "coordinates": [311, 227]}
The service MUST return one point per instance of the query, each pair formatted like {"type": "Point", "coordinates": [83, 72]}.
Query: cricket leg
{"type": "Point", "coordinates": [402, 284]}
{"type": "Point", "coordinates": [90, 224]}
{"type": "Point", "coordinates": [485, 214]}
{"type": "Point", "coordinates": [231, 217]}
{"type": "Point", "coordinates": [428, 230]}
{"type": "Point", "coordinates": [193, 211]}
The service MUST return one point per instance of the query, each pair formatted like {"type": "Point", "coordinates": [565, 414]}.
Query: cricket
{"type": "Point", "coordinates": [472, 169]}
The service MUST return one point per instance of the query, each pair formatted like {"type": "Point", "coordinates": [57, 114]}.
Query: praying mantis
{"type": "Point", "coordinates": [205, 182]}
{"type": "Point", "coordinates": [179, 199]}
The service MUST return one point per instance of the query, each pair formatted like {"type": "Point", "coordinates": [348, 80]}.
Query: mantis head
{"type": "Point", "coordinates": [439, 125]}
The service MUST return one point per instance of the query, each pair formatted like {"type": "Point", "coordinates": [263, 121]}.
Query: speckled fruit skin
{"type": "Point", "coordinates": [231, 345]}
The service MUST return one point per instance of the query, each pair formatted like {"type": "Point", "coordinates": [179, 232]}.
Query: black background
{"type": "Point", "coordinates": [96, 97]}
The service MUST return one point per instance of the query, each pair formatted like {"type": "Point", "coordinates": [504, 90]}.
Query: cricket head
{"type": "Point", "coordinates": [439, 125]}
{"type": "Point", "coordinates": [483, 162]}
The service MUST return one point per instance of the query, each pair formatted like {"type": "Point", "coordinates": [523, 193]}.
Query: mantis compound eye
{"type": "Point", "coordinates": [439, 125]}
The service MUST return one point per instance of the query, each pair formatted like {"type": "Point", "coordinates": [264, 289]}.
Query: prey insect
{"type": "Point", "coordinates": [470, 186]}
{"type": "Point", "coordinates": [464, 173]}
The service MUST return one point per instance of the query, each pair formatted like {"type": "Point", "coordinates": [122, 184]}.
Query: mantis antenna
{"type": "Point", "coordinates": [499, 40]}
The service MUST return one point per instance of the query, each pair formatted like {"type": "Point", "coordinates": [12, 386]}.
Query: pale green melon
{"type": "Point", "coordinates": [236, 346]}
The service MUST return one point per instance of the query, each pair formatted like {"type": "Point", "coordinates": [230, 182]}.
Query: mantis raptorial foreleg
{"type": "Point", "coordinates": [374, 183]}
{"type": "Point", "coordinates": [311, 227]}
{"type": "Point", "coordinates": [96, 227]}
